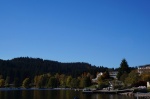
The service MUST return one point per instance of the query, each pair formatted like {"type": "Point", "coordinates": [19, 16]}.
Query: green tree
{"type": "Point", "coordinates": [7, 81]}
{"type": "Point", "coordinates": [103, 81]}
{"type": "Point", "coordinates": [57, 76]}
{"type": "Point", "coordinates": [16, 82]}
{"type": "Point", "coordinates": [52, 83]}
{"type": "Point", "coordinates": [124, 68]}
{"type": "Point", "coordinates": [26, 83]}
{"type": "Point", "coordinates": [74, 83]}
{"type": "Point", "coordinates": [123, 77]}
{"type": "Point", "coordinates": [85, 82]}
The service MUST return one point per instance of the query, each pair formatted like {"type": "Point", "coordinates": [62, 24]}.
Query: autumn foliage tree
{"type": "Point", "coordinates": [2, 82]}
{"type": "Point", "coordinates": [26, 83]}
{"type": "Point", "coordinates": [145, 76]}
{"type": "Point", "coordinates": [133, 77]}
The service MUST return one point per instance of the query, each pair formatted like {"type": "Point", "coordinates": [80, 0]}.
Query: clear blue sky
{"type": "Point", "coordinates": [100, 32]}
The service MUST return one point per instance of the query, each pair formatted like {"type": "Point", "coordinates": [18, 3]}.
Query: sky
{"type": "Point", "coordinates": [99, 32]}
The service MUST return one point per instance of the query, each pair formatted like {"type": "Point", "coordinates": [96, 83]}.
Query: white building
{"type": "Point", "coordinates": [113, 74]}
{"type": "Point", "coordinates": [144, 68]}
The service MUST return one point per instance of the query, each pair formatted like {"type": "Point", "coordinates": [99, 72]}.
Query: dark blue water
{"type": "Point", "coordinates": [55, 94]}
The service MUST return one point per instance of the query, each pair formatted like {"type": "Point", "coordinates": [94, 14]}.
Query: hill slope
{"type": "Point", "coordinates": [23, 67]}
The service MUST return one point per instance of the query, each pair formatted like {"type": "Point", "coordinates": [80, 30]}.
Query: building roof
{"type": "Point", "coordinates": [148, 65]}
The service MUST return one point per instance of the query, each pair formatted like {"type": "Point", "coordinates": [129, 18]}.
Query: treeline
{"type": "Point", "coordinates": [59, 80]}
{"type": "Point", "coordinates": [18, 69]}
{"type": "Point", "coordinates": [49, 81]}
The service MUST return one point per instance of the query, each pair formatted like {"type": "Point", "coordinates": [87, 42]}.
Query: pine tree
{"type": "Point", "coordinates": [124, 68]}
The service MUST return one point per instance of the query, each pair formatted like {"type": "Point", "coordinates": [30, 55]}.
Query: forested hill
{"type": "Point", "coordinates": [23, 67]}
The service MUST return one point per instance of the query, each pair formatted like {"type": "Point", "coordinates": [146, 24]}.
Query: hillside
{"type": "Point", "coordinates": [23, 67]}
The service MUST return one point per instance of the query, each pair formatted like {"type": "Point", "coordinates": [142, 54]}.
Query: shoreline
{"type": "Point", "coordinates": [9, 89]}
{"type": "Point", "coordinates": [107, 91]}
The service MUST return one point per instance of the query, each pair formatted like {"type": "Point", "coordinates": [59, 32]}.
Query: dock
{"type": "Point", "coordinates": [108, 91]}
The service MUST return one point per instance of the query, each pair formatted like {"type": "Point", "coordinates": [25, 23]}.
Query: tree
{"type": "Point", "coordinates": [106, 75]}
{"type": "Point", "coordinates": [103, 80]}
{"type": "Point", "coordinates": [16, 82]}
{"type": "Point", "coordinates": [1, 76]}
{"type": "Point", "coordinates": [69, 79]}
{"type": "Point", "coordinates": [2, 82]}
{"type": "Point", "coordinates": [57, 76]}
{"type": "Point", "coordinates": [74, 83]}
{"type": "Point", "coordinates": [133, 77]}
{"type": "Point", "coordinates": [62, 80]}
{"type": "Point", "coordinates": [85, 82]}
{"type": "Point", "coordinates": [7, 81]}
{"type": "Point", "coordinates": [41, 81]}
{"type": "Point", "coordinates": [26, 83]}
{"type": "Point", "coordinates": [123, 77]}
{"type": "Point", "coordinates": [52, 82]}
{"type": "Point", "coordinates": [100, 79]}
{"type": "Point", "coordinates": [124, 68]}
{"type": "Point", "coordinates": [145, 77]}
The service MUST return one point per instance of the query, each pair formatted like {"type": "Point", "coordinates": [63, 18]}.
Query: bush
{"type": "Point", "coordinates": [118, 87]}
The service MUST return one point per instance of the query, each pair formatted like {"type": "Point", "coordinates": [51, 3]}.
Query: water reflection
{"type": "Point", "coordinates": [55, 94]}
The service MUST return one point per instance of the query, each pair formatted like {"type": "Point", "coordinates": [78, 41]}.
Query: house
{"type": "Point", "coordinates": [144, 68]}
{"type": "Point", "coordinates": [113, 74]}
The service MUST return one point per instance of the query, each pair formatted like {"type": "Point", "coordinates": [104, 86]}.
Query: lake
{"type": "Point", "coordinates": [55, 94]}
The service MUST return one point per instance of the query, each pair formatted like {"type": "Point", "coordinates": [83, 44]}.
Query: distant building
{"type": "Point", "coordinates": [113, 74]}
{"type": "Point", "coordinates": [144, 68]}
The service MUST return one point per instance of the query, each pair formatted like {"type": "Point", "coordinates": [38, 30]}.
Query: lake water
{"type": "Point", "coordinates": [55, 94]}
